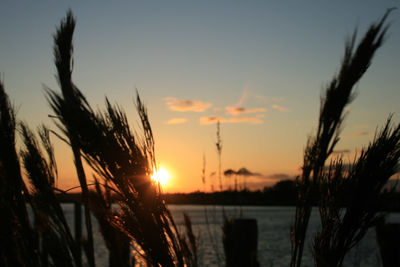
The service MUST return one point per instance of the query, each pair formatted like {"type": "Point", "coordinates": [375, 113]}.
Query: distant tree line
{"type": "Point", "coordinates": [283, 193]}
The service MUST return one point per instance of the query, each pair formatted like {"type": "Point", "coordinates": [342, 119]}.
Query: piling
{"type": "Point", "coordinates": [388, 236]}
{"type": "Point", "coordinates": [240, 242]}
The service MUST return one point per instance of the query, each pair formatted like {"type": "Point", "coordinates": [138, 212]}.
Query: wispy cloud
{"type": "Point", "coordinates": [243, 98]}
{"type": "Point", "coordinates": [211, 120]}
{"type": "Point", "coordinates": [258, 180]}
{"type": "Point", "coordinates": [240, 110]}
{"type": "Point", "coordinates": [186, 105]}
{"type": "Point", "coordinates": [361, 127]}
{"type": "Point", "coordinates": [241, 172]}
{"type": "Point", "coordinates": [341, 151]}
{"type": "Point", "coordinates": [280, 176]}
{"type": "Point", "coordinates": [177, 121]}
{"type": "Point", "coordinates": [280, 108]}
{"type": "Point", "coordinates": [360, 134]}
{"type": "Point", "coordinates": [215, 119]}
{"type": "Point", "coordinates": [252, 120]}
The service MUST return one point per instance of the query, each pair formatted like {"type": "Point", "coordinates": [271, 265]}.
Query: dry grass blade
{"type": "Point", "coordinates": [350, 198]}
{"type": "Point", "coordinates": [191, 243]}
{"type": "Point", "coordinates": [118, 244]}
{"type": "Point", "coordinates": [19, 246]}
{"type": "Point", "coordinates": [113, 151]}
{"type": "Point", "coordinates": [44, 134]}
{"type": "Point", "coordinates": [49, 216]}
{"type": "Point", "coordinates": [67, 107]}
{"type": "Point", "coordinates": [337, 96]}
{"type": "Point", "coordinates": [218, 144]}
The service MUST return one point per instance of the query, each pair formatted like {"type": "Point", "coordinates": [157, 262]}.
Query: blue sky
{"type": "Point", "coordinates": [260, 66]}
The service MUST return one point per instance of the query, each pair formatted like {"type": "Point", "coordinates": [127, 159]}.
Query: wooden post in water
{"type": "Point", "coordinates": [78, 227]}
{"type": "Point", "coordinates": [240, 242]}
{"type": "Point", "coordinates": [388, 236]}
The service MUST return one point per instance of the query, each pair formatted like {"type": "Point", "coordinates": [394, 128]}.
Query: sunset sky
{"type": "Point", "coordinates": [257, 66]}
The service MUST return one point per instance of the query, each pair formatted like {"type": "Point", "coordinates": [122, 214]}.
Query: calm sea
{"type": "Point", "coordinates": [273, 235]}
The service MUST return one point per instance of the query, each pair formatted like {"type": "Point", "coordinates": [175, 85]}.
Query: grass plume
{"type": "Point", "coordinates": [67, 106]}
{"type": "Point", "coordinates": [50, 220]}
{"type": "Point", "coordinates": [19, 242]}
{"type": "Point", "coordinates": [350, 199]}
{"type": "Point", "coordinates": [338, 94]}
{"type": "Point", "coordinates": [119, 157]}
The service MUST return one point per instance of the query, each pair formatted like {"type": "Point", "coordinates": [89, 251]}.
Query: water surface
{"type": "Point", "coordinates": [273, 234]}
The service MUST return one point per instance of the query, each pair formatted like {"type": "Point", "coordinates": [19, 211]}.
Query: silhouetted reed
{"type": "Point", "coordinates": [68, 107]}
{"type": "Point", "coordinates": [349, 202]}
{"type": "Point", "coordinates": [50, 223]}
{"type": "Point", "coordinates": [18, 239]}
{"type": "Point", "coordinates": [337, 96]}
{"type": "Point", "coordinates": [123, 162]}
{"type": "Point", "coordinates": [116, 241]}
{"type": "Point", "coordinates": [190, 243]}
{"type": "Point", "coordinates": [120, 158]}
{"type": "Point", "coordinates": [218, 145]}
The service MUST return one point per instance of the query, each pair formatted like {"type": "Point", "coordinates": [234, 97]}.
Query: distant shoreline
{"type": "Point", "coordinates": [230, 198]}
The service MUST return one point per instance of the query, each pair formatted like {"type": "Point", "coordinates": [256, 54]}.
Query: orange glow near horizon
{"type": "Point", "coordinates": [161, 176]}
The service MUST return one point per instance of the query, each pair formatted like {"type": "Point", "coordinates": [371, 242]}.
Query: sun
{"type": "Point", "coordinates": [161, 176]}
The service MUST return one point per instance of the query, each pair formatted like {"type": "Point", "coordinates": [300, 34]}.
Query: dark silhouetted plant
{"type": "Point", "coordinates": [124, 160]}
{"type": "Point", "coordinates": [218, 145]}
{"type": "Point", "coordinates": [68, 107]}
{"type": "Point", "coordinates": [50, 222]}
{"type": "Point", "coordinates": [19, 246]}
{"type": "Point", "coordinates": [190, 243]}
{"type": "Point", "coordinates": [116, 241]}
{"type": "Point", "coordinates": [349, 202]}
{"type": "Point", "coordinates": [337, 96]}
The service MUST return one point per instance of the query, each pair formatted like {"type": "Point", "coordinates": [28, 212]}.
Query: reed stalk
{"type": "Point", "coordinates": [50, 221]}
{"type": "Point", "coordinates": [67, 107]}
{"type": "Point", "coordinates": [117, 243]}
{"type": "Point", "coordinates": [122, 159]}
{"type": "Point", "coordinates": [338, 94]}
{"type": "Point", "coordinates": [350, 199]}
{"type": "Point", "coordinates": [218, 145]}
{"type": "Point", "coordinates": [19, 246]}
